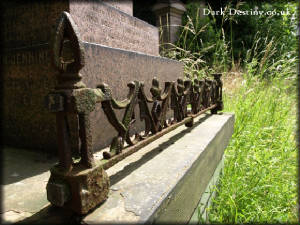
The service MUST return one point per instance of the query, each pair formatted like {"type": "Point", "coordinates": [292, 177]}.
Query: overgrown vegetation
{"type": "Point", "coordinates": [259, 181]}
{"type": "Point", "coordinates": [220, 43]}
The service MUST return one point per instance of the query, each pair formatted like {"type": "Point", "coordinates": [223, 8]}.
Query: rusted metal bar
{"type": "Point", "coordinates": [132, 149]}
{"type": "Point", "coordinates": [181, 96]}
{"type": "Point", "coordinates": [84, 184]}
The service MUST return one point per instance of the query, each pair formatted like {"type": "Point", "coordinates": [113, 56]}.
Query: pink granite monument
{"type": "Point", "coordinates": [119, 48]}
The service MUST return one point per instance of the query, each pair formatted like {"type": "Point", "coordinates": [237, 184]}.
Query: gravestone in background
{"type": "Point", "coordinates": [119, 48]}
{"type": "Point", "coordinates": [168, 17]}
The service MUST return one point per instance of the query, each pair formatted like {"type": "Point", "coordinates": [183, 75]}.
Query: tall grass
{"type": "Point", "coordinates": [193, 52]}
{"type": "Point", "coordinates": [260, 60]}
{"type": "Point", "coordinates": [259, 180]}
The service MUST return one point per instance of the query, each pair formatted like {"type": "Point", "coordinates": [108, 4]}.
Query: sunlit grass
{"type": "Point", "coordinates": [259, 181]}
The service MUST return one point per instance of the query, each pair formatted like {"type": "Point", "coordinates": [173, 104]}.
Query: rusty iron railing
{"type": "Point", "coordinates": [82, 185]}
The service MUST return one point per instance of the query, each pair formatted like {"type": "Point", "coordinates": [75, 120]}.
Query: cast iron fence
{"type": "Point", "coordinates": [186, 99]}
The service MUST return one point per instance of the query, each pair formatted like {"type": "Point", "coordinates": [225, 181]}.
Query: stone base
{"type": "Point", "coordinates": [164, 181]}
{"type": "Point", "coordinates": [78, 190]}
{"type": "Point", "coordinates": [26, 121]}
{"type": "Point", "coordinates": [201, 213]}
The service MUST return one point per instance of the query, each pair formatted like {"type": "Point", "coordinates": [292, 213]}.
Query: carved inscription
{"type": "Point", "coordinates": [27, 57]}
{"type": "Point", "coordinates": [104, 25]}
{"type": "Point", "coordinates": [27, 24]}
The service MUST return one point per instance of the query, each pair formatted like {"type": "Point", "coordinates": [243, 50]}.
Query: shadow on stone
{"type": "Point", "coordinates": [51, 215]}
{"type": "Point", "coordinates": [19, 164]}
{"type": "Point", "coordinates": [150, 155]}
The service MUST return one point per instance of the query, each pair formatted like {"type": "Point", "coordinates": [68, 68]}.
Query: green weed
{"type": "Point", "coordinates": [259, 181]}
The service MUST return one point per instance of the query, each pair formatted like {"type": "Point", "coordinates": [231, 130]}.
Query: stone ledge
{"type": "Point", "coordinates": [202, 211]}
{"type": "Point", "coordinates": [164, 181]}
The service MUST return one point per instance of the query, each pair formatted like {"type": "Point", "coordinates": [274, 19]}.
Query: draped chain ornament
{"type": "Point", "coordinates": [202, 95]}
{"type": "Point", "coordinates": [82, 185]}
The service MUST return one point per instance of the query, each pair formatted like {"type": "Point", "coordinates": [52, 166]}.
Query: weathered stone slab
{"type": "Point", "coordinates": [21, 182]}
{"type": "Point", "coordinates": [29, 76]}
{"type": "Point", "coordinates": [124, 6]}
{"type": "Point", "coordinates": [164, 181]}
{"type": "Point", "coordinates": [103, 24]}
{"type": "Point", "coordinates": [29, 23]}
{"type": "Point", "coordinates": [202, 211]}
{"type": "Point", "coordinates": [33, 23]}
{"type": "Point", "coordinates": [117, 68]}
{"type": "Point", "coordinates": [28, 73]}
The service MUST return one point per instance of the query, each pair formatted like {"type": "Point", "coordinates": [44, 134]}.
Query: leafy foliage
{"type": "Point", "coordinates": [224, 41]}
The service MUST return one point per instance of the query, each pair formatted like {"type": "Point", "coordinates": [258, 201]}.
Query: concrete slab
{"type": "Point", "coordinates": [165, 180]}
{"type": "Point", "coordinates": [200, 215]}
{"type": "Point", "coordinates": [162, 182]}
{"type": "Point", "coordinates": [23, 184]}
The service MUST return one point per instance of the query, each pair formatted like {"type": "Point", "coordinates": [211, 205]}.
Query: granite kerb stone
{"type": "Point", "coordinates": [29, 76]}
{"type": "Point", "coordinates": [167, 188]}
{"type": "Point", "coordinates": [149, 185]}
